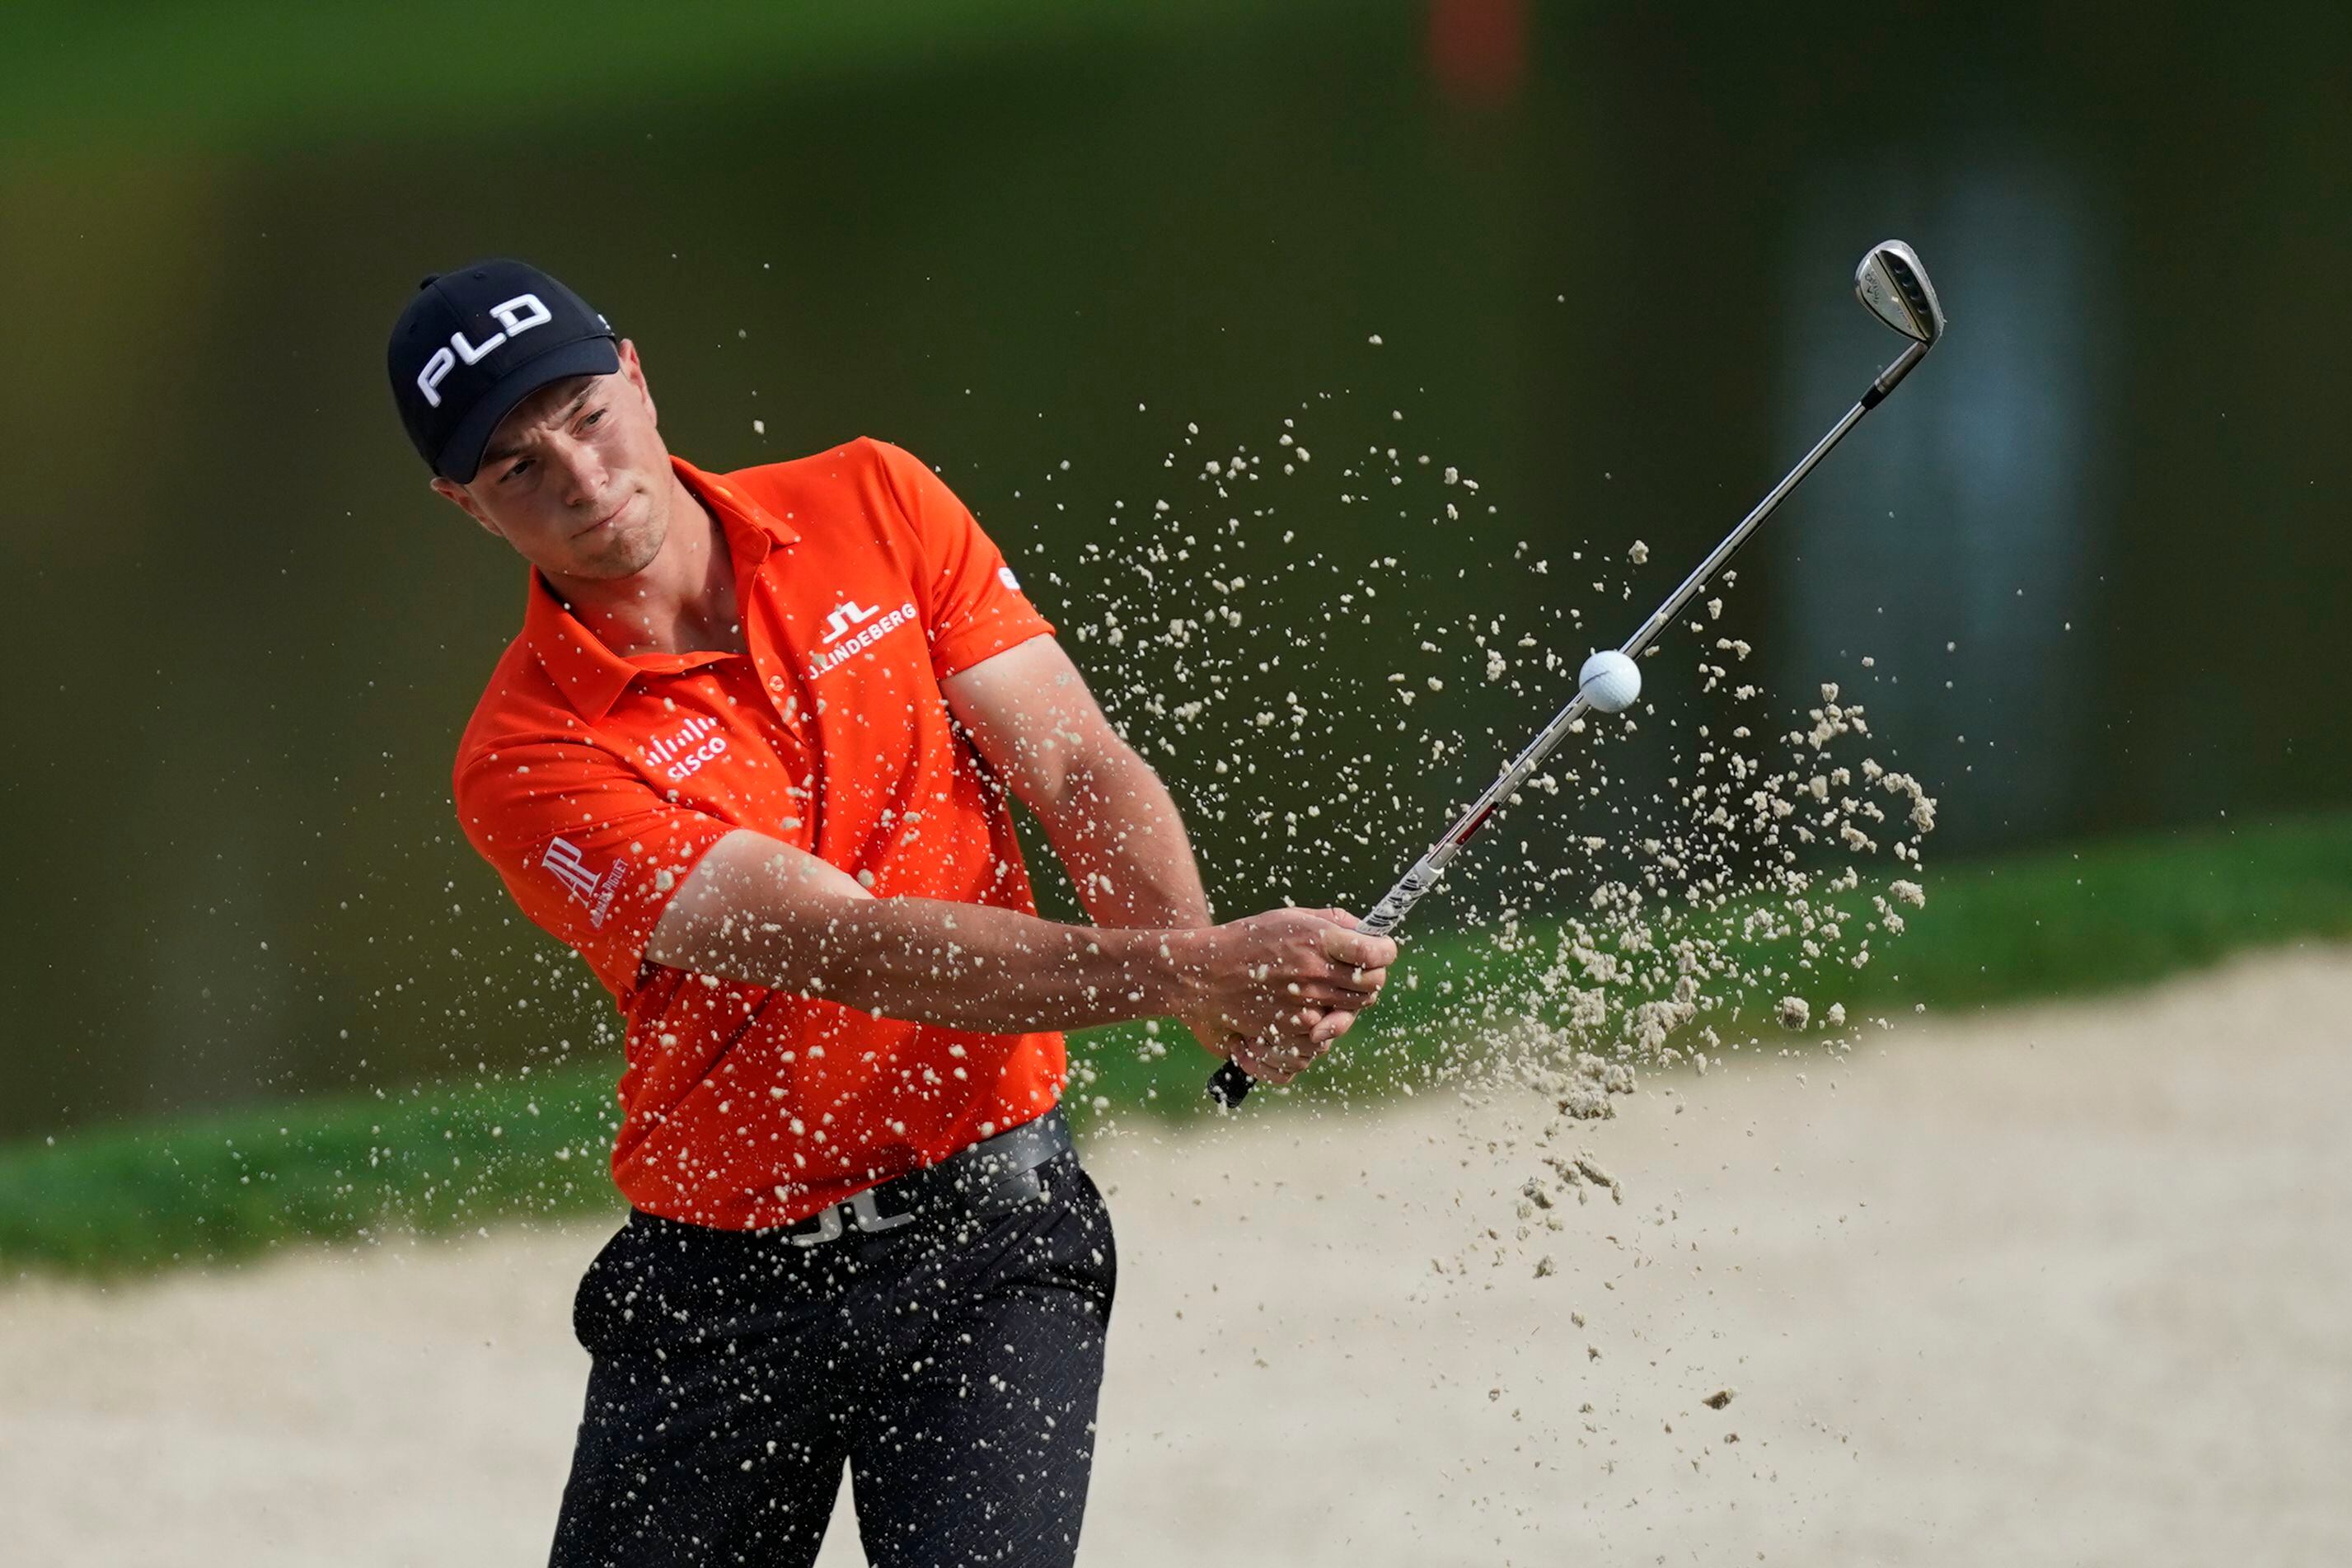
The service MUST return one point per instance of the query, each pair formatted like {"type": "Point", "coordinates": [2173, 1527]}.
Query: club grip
{"type": "Point", "coordinates": [1230, 1085]}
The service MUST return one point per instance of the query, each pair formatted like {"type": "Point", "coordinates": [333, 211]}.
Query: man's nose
{"type": "Point", "coordinates": [583, 471]}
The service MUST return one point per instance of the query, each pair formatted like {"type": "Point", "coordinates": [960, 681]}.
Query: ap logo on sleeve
{"type": "Point", "coordinates": [564, 863]}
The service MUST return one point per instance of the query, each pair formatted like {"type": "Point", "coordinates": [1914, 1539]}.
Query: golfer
{"type": "Point", "coordinates": [749, 758]}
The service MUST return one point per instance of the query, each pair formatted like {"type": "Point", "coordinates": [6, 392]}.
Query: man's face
{"type": "Point", "coordinates": [577, 478]}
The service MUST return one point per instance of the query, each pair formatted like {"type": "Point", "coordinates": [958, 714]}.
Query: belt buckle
{"type": "Point", "coordinates": [862, 1214]}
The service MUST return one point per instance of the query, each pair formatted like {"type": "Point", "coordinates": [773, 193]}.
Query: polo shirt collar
{"type": "Point", "coordinates": [591, 676]}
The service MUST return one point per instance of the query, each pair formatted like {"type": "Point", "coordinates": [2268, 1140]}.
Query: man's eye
{"type": "Point", "coordinates": [592, 419]}
{"type": "Point", "coordinates": [515, 471]}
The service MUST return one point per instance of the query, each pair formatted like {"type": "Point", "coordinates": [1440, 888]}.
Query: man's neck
{"type": "Point", "coordinates": [683, 602]}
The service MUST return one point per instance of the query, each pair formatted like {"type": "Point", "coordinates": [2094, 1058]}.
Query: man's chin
{"type": "Point", "coordinates": [624, 550]}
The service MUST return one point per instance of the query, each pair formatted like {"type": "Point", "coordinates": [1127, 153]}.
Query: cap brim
{"type": "Point", "coordinates": [461, 454]}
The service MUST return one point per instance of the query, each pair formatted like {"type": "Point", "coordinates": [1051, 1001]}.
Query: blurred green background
{"type": "Point", "coordinates": [1070, 253]}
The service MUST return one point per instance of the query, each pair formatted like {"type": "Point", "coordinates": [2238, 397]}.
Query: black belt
{"type": "Point", "coordinates": [993, 1176]}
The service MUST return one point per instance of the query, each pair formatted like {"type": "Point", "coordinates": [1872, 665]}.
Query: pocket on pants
{"type": "Point", "coordinates": [1059, 1243]}
{"type": "Point", "coordinates": [1096, 1248]}
{"type": "Point", "coordinates": [597, 1304]}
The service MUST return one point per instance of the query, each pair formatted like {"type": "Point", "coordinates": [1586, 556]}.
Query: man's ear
{"type": "Point", "coordinates": [455, 494]}
{"type": "Point", "coordinates": [634, 370]}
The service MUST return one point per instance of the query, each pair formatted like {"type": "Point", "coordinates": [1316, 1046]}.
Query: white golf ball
{"type": "Point", "coordinates": [1609, 680]}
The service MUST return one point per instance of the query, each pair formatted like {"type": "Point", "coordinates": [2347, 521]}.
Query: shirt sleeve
{"type": "Point", "coordinates": [588, 849]}
{"type": "Point", "coordinates": [972, 604]}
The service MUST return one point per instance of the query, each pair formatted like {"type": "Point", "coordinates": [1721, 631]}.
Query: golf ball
{"type": "Point", "coordinates": [1609, 680]}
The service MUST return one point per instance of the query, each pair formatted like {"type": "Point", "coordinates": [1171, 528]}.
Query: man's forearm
{"type": "Point", "coordinates": [1120, 835]}
{"type": "Point", "coordinates": [964, 965]}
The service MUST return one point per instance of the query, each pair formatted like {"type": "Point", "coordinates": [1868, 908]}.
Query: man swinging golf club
{"type": "Point", "coordinates": [748, 757]}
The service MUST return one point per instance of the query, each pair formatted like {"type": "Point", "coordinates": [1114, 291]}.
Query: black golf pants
{"type": "Point", "coordinates": [953, 1365]}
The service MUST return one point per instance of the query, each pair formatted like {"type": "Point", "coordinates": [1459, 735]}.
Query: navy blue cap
{"type": "Point", "coordinates": [477, 341]}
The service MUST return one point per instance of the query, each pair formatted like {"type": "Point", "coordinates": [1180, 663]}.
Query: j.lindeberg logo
{"type": "Point", "coordinates": [844, 644]}
{"type": "Point", "coordinates": [564, 864]}
{"type": "Point", "coordinates": [845, 614]}
{"type": "Point", "coordinates": [681, 755]}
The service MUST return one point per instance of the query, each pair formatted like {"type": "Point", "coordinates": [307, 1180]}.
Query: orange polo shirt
{"type": "Point", "coordinates": [594, 783]}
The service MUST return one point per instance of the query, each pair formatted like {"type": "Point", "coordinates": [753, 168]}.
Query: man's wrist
{"type": "Point", "coordinates": [1166, 969]}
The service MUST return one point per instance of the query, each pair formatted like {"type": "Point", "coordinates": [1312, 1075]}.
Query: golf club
{"type": "Point", "coordinates": [1894, 285]}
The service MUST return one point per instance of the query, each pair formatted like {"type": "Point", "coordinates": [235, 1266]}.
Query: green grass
{"type": "Point", "coordinates": [452, 1156]}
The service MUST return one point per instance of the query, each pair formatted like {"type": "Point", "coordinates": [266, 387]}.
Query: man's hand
{"type": "Point", "coordinates": [1277, 990]}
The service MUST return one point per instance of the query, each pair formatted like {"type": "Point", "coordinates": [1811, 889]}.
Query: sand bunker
{"type": "Point", "coordinates": [2090, 1359]}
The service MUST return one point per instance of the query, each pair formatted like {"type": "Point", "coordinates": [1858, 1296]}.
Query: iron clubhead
{"type": "Point", "coordinates": [1891, 281]}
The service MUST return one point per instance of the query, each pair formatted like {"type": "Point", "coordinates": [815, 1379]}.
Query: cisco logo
{"type": "Point", "coordinates": [683, 754]}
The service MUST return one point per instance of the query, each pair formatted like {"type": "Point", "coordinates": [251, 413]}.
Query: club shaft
{"type": "Point", "coordinates": [1390, 912]}
{"type": "Point", "coordinates": [1231, 1082]}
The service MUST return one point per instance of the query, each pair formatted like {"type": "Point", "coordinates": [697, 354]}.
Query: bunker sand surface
{"type": "Point", "coordinates": [2056, 1285]}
